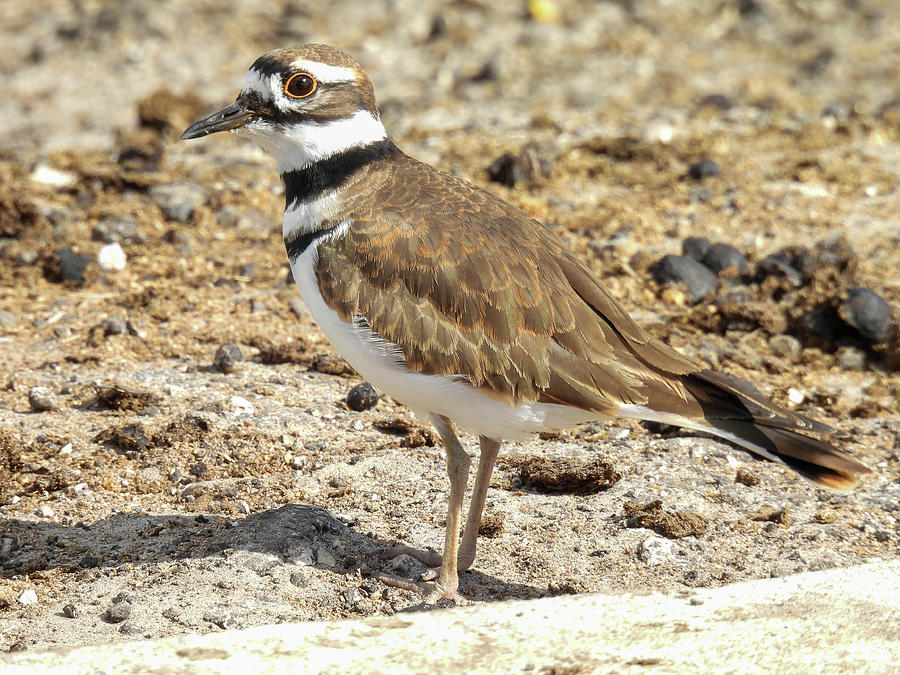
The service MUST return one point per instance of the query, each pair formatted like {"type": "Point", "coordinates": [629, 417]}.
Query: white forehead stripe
{"type": "Point", "coordinates": [265, 85]}
{"type": "Point", "coordinates": [323, 72]}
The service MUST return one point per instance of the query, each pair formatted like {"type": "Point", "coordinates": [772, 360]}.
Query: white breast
{"type": "Point", "coordinates": [380, 363]}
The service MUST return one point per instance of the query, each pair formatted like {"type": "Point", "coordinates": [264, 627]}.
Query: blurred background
{"type": "Point", "coordinates": [74, 72]}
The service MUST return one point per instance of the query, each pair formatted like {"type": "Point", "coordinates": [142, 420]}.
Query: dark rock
{"type": "Point", "coordinates": [778, 265]}
{"type": "Point", "coordinates": [822, 323]}
{"type": "Point", "coordinates": [698, 280]}
{"type": "Point", "coordinates": [726, 260]}
{"type": "Point", "coordinates": [227, 357]}
{"type": "Point", "coordinates": [527, 166]}
{"type": "Point", "coordinates": [868, 313]}
{"type": "Point", "coordinates": [705, 168]}
{"type": "Point", "coordinates": [89, 562]}
{"type": "Point", "coordinates": [112, 229]}
{"type": "Point", "coordinates": [113, 325]}
{"type": "Point", "coordinates": [362, 397]}
{"type": "Point", "coordinates": [70, 611]}
{"type": "Point", "coordinates": [42, 399]}
{"type": "Point", "coordinates": [66, 266]}
{"type": "Point", "coordinates": [719, 101]}
{"type": "Point", "coordinates": [695, 247]}
{"type": "Point", "coordinates": [118, 612]}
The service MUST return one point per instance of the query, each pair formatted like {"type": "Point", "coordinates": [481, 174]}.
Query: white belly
{"type": "Point", "coordinates": [380, 363]}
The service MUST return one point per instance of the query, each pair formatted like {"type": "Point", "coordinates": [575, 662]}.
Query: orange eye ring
{"type": "Point", "coordinates": [300, 85]}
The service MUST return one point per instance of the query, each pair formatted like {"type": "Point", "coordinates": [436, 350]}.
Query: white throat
{"type": "Point", "coordinates": [300, 145]}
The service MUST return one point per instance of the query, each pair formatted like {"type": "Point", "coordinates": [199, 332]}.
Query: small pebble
{"type": "Point", "coordinates": [222, 619]}
{"type": "Point", "coordinates": [705, 168]}
{"type": "Point", "coordinates": [727, 260]}
{"type": "Point", "coordinates": [178, 201]}
{"type": "Point", "coordinates": [118, 612]}
{"type": "Point", "coordinates": [42, 399]}
{"type": "Point", "coordinates": [28, 597]}
{"type": "Point", "coordinates": [795, 396]}
{"type": "Point", "coordinates": [851, 358]}
{"type": "Point", "coordinates": [299, 579]}
{"type": "Point", "coordinates": [695, 247]}
{"type": "Point", "coordinates": [747, 477]}
{"type": "Point", "coordinates": [868, 313]}
{"type": "Point", "coordinates": [112, 229]}
{"type": "Point", "coordinates": [113, 325]}
{"type": "Point", "coordinates": [786, 346]}
{"type": "Point", "coordinates": [655, 550]}
{"type": "Point", "coordinates": [242, 405]}
{"type": "Point", "coordinates": [352, 596]}
{"type": "Point", "coordinates": [227, 357]}
{"type": "Point", "coordinates": [697, 279]}
{"type": "Point", "coordinates": [227, 216]}
{"type": "Point", "coordinates": [362, 397]}
{"type": "Point", "coordinates": [111, 258]}
{"type": "Point", "coordinates": [70, 611]}
{"type": "Point", "coordinates": [43, 511]}
{"type": "Point", "coordinates": [256, 222]}
{"type": "Point", "coordinates": [7, 320]}
{"type": "Point", "coordinates": [47, 175]}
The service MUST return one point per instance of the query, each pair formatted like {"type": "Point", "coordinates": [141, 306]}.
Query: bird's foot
{"type": "Point", "coordinates": [428, 557]}
{"type": "Point", "coordinates": [431, 588]}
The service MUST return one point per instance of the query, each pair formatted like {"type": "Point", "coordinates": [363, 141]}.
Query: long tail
{"type": "Point", "coordinates": [731, 408]}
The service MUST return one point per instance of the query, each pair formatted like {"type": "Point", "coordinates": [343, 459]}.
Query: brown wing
{"type": "Point", "coordinates": [491, 295]}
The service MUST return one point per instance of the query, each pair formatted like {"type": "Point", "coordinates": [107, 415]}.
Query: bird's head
{"type": "Point", "coordinates": [301, 104]}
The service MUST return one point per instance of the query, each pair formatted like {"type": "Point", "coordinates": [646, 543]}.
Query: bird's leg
{"type": "Point", "coordinates": [489, 450]}
{"type": "Point", "coordinates": [433, 559]}
{"type": "Point", "coordinates": [447, 577]}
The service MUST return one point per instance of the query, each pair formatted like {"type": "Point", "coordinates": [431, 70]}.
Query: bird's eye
{"type": "Point", "coordinates": [300, 85]}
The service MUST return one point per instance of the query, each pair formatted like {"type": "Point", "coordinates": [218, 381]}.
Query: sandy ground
{"type": "Point", "coordinates": [164, 496]}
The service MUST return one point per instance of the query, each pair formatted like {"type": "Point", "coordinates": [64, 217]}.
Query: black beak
{"type": "Point", "coordinates": [230, 117]}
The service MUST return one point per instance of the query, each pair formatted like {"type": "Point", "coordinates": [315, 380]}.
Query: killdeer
{"type": "Point", "coordinates": [463, 308]}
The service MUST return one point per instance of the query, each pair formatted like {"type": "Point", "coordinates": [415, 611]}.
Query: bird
{"type": "Point", "coordinates": [463, 308]}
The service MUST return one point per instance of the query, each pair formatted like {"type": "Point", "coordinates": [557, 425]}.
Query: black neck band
{"type": "Point", "coordinates": [329, 173]}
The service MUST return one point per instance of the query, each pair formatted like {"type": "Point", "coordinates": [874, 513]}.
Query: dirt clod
{"type": "Point", "coordinates": [673, 525]}
{"type": "Point", "coordinates": [562, 474]}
